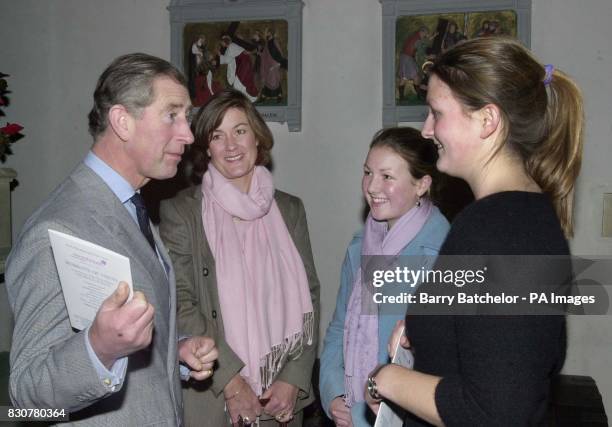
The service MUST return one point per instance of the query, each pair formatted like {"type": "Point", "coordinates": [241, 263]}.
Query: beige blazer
{"type": "Point", "coordinates": [199, 312]}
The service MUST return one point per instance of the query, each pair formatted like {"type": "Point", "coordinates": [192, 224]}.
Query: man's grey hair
{"type": "Point", "coordinates": [128, 81]}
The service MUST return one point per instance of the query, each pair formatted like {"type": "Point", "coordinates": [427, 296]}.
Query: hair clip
{"type": "Point", "coordinates": [548, 68]}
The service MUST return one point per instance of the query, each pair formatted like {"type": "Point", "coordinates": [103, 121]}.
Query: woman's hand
{"type": "Point", "coordinates": [374, 404]}
{"type": "Point", "coordinates": [341, 414]}
{"type": "Point", "coordinates": [281, 398]}
{"type": "Point", "coordinates": [241, 401]}
{"type": "Point", "coordinates": [414, 391]}
{"type": "Point", "coordinates": [199, 353]}
{"type": "Point", "coordinates": [397, 335]}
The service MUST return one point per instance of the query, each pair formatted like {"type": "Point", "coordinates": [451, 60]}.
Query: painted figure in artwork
{"type": "Point", "coordinates": [201, 82]}
{"type": "Point", "coordinates": [240, 71]}
{"type": "Point", "coordinates": [412, 57]}
{"type": "Point", "coordinates": [452, 36]}
{"type": "Point", "coordinates": [272, 64]}
{"type": "Point", "coordinates": [258, 43]}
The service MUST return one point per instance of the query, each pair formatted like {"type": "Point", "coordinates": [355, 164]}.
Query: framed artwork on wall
{"type": "Point", "coordinates": [416, 31]}
{"type": "Point", "coordinates": [254, 46]}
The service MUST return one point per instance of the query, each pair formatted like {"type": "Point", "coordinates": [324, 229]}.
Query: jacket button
{"type": "Point", "coordinates": [205, 271]}
{"type": "Point", "coordinates": [214, 314]}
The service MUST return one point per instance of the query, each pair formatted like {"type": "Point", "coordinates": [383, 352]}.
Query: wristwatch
{"type": "Point", "coordinates": [372, 390]}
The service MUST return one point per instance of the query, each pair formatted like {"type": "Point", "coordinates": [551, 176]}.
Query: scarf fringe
{"type": "Point", "coordinates": [290, 349]}
{"type": "Point", "coordinates": [349, 395]}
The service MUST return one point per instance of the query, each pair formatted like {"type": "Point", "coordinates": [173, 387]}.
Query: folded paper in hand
{"type": "Point", "coordinates": [88, 273]}
{"type": "Point", "coordinates": [394, 417]}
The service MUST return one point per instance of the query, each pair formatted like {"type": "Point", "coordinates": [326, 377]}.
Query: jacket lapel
{"type": "Point", "coordinates": [122, 235]}
{"type": "Point", "coordinates": [108, 223]}
{"type": "Point", "coordinates": [171, 286]}
{"type": "Point", "coordinates": [206, 255]}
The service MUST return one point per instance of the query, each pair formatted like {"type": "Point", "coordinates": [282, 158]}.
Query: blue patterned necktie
{"type": "Point", "coordinates": [143, 218]}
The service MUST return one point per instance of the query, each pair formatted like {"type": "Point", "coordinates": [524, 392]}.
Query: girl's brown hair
{"type": "Point", "coordinates": [421, 154]}
{"type": "Point", "coordinates": [541, 107]}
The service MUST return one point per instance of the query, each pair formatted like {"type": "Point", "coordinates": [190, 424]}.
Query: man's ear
{"type": "Point", "coordinates": [491, 120]}
{"type": "Point", "coordinates": [120, 120]}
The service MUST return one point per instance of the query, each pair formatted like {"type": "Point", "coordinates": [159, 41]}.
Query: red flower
{"type": "Point", "coordinates": [11, 129]}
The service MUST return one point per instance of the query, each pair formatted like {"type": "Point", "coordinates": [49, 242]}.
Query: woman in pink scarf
{"type": "Point", "coordinates": [397, 178]}
{"type": "Point", "coordinates": [244, 273]}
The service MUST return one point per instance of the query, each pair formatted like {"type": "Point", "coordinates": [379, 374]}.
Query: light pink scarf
{"type": "Point", "coordinates": [263, 289]}
{"type": "Point", "coordinates": [361, 322]}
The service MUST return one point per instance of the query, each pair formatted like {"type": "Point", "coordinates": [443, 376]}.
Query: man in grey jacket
{"type": "Point", "coordinates": [124, 368]}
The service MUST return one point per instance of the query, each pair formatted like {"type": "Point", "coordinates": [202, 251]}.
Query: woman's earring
{"type": "Point", "coordinates": [418, 203]}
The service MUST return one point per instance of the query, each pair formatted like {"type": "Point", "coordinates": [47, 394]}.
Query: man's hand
{"type": "Point", "coordinates": [341, 414]}
{"type": "Point", "coordinates": [241, 400]}
{"type": "Point", "coordinates": [282, 397]}
{"type": "Point", "coordinates": [199, 353]}
{"type": "Point", "coordinates": [121, 328]}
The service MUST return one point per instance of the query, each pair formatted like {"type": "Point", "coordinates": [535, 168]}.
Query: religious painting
{"type": "Point", "coordinates": [250, 56]}
{"type": "Point", "coordinates": [254, 46]}
{"type": "Point", "coordinates": [420, 38]}
{"type": "Point", "coordinates": [414, 33]}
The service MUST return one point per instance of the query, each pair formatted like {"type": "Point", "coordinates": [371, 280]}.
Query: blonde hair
{"type": "Point", "coordinates": [542, 110]}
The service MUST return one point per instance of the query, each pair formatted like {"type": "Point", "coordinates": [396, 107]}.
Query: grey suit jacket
{"type": "Point", "coordinates": [199, 312]}
{"type": "Point", "coordinates": [50, 366]}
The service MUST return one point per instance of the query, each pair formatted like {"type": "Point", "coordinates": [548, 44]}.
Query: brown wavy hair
{"type": "Point", "coordinates": [542, 115]}
{"type": "Point", "coordinates": [209, 118]}
{"type": "Point", "coordinates": [420, 153]}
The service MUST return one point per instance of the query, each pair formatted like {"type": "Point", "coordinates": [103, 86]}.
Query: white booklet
{"type": "Point", "coordinates": [387, 417]}
{"type": "Point", "coordinates": [89, 274]}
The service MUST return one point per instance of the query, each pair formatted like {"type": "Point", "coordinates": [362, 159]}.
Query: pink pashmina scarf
{"type": "Point", "coordinates": [361, 322]}
{"type": "Point", "coordinates": [263, 289]}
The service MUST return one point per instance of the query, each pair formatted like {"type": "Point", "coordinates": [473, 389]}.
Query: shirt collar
{"type": "Point", "coordinates": [118, 184]}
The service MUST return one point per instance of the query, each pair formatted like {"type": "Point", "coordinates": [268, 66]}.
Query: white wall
{"type": "Point", "coordinates": [575, 36]}
{"type": "Point", "coordinates": [55, 50]}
